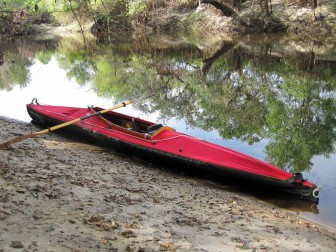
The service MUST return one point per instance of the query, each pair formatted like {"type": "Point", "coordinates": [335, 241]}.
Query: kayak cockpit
{"type": "Point", "coordinates": [130, 125]}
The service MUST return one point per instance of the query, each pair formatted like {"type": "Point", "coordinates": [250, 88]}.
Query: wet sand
{"type": "Point", "coordinates": [59, 194]}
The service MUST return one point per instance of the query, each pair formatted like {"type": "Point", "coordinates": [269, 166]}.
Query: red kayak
{"type": "Point", "coordinates": [187, 153]}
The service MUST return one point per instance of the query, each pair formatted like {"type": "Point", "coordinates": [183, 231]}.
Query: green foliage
{"type": "Point", "coordinates": [44, 57]}
{"type": "Point", "coordinates": [17, 17]}
{"type": "Point", "coordinates": [136, 6]}
{"type": "Point", "coordinates": [11, 5]}
{"type": "Point", "coordinates": [74, 59]}
{"type": "Point", "coordinates": [14, 73]}
{"type": "Point", "coordinates": [110, 81]}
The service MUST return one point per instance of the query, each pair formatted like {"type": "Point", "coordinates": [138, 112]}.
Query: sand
{"type": "Point", "coordinates": [61, 194]}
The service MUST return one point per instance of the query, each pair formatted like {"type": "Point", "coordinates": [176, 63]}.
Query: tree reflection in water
{"type": "Point", "coordinates": [247, 89]}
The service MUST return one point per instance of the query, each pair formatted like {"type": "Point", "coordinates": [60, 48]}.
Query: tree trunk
{"type": "Point", "coordinates": [226, 10]}
{"type": "Point", "coordinates": [1, 59]}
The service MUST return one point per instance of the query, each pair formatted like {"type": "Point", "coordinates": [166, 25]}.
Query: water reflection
{"type": "Point", "coordinates": [250, 89]}
{"type": "Point", "coordinates": [18, 55]}
{"type": "Point", "coordinates": [234, 90]}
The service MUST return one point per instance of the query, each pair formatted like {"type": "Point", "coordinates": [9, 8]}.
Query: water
{"type": "Point", "coordinates": [262, 95]}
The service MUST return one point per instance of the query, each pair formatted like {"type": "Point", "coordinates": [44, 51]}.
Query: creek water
{"type": "Point", "coordinates": [268, 97]}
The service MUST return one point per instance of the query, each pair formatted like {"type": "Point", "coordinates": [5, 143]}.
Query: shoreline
{"type": "Point", "coordinates": [64, 195]}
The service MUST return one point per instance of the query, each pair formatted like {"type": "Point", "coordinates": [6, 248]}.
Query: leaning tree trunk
{"type": "Point", "coordinates": [223, 7]}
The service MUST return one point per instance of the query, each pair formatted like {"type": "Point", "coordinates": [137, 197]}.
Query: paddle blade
{"type": "Point", "coordinates": [6, 145]}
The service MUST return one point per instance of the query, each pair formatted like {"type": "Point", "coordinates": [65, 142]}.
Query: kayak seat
{"type": "Point", "coordinates": [151, 129]}
{"type": "Point", "coordinates": [157, 129]}
{"type": "Point", "coordinates": [134, 125]}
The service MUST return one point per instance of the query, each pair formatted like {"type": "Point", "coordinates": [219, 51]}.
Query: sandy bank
{"type": "Point", "coordinates": [58, 194]}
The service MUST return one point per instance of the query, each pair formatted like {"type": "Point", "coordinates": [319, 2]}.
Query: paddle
{"type": "Point", "coordinates": [23, 137]}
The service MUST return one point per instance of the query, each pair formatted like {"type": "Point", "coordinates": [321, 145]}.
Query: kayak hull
{"type": "Point", "coordinates": [156, 150]}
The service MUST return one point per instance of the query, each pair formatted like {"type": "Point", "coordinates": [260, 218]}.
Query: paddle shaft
{"type": "Point", "coordinates": [21, 138]}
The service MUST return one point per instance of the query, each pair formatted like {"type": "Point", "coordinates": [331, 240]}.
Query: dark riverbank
{"type": "Point", "coordinates": [251, 18]}
{"type": "Point", "coordinates": [210, 19]}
